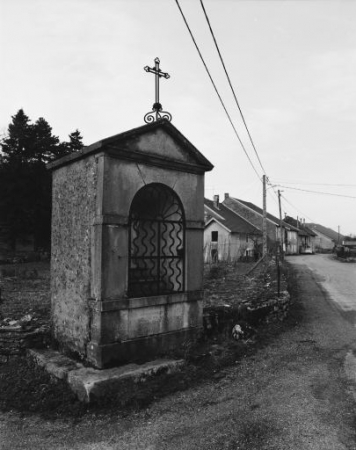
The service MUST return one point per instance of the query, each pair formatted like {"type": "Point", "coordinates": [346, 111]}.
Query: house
{"type": "Point", "coordinates": [347, 249]}
{"type": "Point", "coordinates": [291, 246]}
{"type": "Point", "coordinates": [349, 243]}
{"type": "Point", "coordinates": [306, 237]}
{"type": "Point", "coordinates": [254, 215]}
{"type": "Point", "coordinates": [227, 235]}
{"type": "Point", "coordinates": [326, 238]}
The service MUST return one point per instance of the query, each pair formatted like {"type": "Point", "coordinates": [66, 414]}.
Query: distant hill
{"type": "Point", "coordinates": [326, 231]}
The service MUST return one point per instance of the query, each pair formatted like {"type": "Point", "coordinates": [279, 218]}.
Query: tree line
{"type": "Point", "coordinates": [25, 183]}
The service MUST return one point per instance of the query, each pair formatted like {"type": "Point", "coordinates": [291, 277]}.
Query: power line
{"type": "Point", "coordinates": [275, 193]}
{"type": "Point", "coordinates": [294, 207]}
{"type": "Point", "coordinates": [237, 103]}
{"type": "Point", "coordinates": [232, 89]}
{"type": "Point", "coordinates": [317, 192]}
{"type": "Point", "coordinates": [316, 184]}
{"type": "Point", "coordinates": [216, 90]}
{"type": "Point", "coordinates": [235, 97]}
{"type": "Point", "coordinates": [272, 197]}
{"type": "Point", "coordinates": [303, 214]}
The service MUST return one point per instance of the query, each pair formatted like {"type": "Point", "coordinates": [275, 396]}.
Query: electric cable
{"type": "Point", "coordinates": [272, 196]}
{"type": "Point", "coordinates": [272, 186]}
{"type": "Point", "coordinates": [230, 84]}
{"type": "Point", "coordinates": [298, 210]}
{"type": "Point", "coordinates": [312, 221]}
{"type": "Point", "coordinates": [315, 184]}
{"type": "Point", "coordinates": [317, 192]}
{"type": "Point", "coordinates": [241, 113]}
{"type": "Point", "coordinates": [216, 90]}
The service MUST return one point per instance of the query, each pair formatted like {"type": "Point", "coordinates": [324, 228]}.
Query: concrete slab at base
{"type": "Point", "coordinates": [90, 384]}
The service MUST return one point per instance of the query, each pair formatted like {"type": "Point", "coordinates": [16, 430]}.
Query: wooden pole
{"type": "Point", "coordinates": [281, 224]}
{"type": "Point", "coordinates": [278, 274]}
{"type": "Point", "coordinates": [264, 220]}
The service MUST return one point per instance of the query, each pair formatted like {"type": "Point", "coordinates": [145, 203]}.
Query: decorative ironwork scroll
{"type": "Point", "coordinates": [156, 251]}
{"type": "Point", "coordinates": [157, 112]}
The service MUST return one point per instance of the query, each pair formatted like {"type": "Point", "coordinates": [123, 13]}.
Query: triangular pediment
{"type": "Point", "coordinates": [159, 143]}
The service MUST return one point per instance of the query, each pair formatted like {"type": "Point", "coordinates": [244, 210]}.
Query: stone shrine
{"type": "Point", "coordinates": [127, 246]}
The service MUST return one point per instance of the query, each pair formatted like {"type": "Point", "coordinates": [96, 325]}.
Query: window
{"type": "Point", "coordinates": [214, 246]}
{"type": "Point", "coordinates": [214, 236]}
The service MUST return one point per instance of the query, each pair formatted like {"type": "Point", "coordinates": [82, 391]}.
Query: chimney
{"type": "Point", "coordinates": [216, 201]}
{"type": "Point", "coordinates": [226, 195]}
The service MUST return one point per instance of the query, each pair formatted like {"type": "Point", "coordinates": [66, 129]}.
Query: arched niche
{"type": "Point", "coordinates": [156, 242]}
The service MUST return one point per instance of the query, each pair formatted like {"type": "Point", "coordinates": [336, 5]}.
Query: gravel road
{"type": "Point", "coordinates": [296, 393]}
{"type": "Point", "coordinates": [336, 277]}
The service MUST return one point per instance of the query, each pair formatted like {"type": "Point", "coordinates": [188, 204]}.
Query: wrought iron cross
{"type": "Point", "coordinates": [157, 112]}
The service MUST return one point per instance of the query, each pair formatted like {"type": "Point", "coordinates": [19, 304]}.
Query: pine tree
{"type": "Point", "coordinates": [25, 183]}
{"type": "Point", "coordinates": [45, 146]}
{"type": "Point", "coordinates": [16, 146]}
{"type": "Point", "coordinates": [75, 141]}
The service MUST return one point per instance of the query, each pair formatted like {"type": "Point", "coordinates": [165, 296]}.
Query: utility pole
{"type": "Point", "coordinates": [281, 223]}
{"type": "Point", "coordinates": [264, 220]}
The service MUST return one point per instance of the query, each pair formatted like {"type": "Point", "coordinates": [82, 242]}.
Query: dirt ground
{"type": "Point", "coordinates": [287, 389]}
{"type": "Point", "coordinates": [27, 389]}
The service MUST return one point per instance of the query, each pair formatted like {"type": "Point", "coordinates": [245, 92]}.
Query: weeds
{"type": "Point", "coordinates": [216, 271]}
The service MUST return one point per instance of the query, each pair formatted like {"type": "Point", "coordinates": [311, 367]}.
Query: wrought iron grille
{"type": "Point", "coordinates": [156, 251]}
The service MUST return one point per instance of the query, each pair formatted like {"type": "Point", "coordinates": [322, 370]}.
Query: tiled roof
{"type": "Point", "coordinates": [257, 210]}
{"type": "Point", "coordinates": [231, 220]}
{"type": "Point", "coordinates": [303, 230]}
{"type": "Point", "coordinates": [328, 232]}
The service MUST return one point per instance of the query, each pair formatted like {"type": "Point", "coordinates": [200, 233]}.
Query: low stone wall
{"type": "Point", "coordinates": [25, 289]}
{"type": "Point", "coordinates": [24, 308]}
{"type": "Point", "coordinates": [16, 303]}
{"type": "Point", "coordinates": [17, 337]}
{"type": "Point", "coordinates": [222, 319]}
{"type": "Point", "coordinates": [347, 259]}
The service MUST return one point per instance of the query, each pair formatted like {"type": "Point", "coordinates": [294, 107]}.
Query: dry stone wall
{"type": "Point", "coordinates": [24, 308]}
{"type": "Point", "coordinates": [223, 319]}
{"type": "Point", "coordinates": [17, 336]}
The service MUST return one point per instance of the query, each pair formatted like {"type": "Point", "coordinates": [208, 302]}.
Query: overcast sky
{"type": "Point", "coordinates": [79, 64]}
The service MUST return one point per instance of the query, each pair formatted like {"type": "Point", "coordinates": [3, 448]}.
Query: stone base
{"type": "Point", "coordinates": [139, 350]}
{"type": "Point", "coordinates": [92, 385]}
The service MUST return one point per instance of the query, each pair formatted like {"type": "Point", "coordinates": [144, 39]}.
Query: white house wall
{"type": "Point", "coordinates": [230, 246]}
{"type": "Point", "coordinates": [291, 242]}
{"type": "Point", "coordinates": [322, 242]}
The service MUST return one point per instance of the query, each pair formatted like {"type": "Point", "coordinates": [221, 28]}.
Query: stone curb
{"type": "Point", "coordinates": [91, 384]}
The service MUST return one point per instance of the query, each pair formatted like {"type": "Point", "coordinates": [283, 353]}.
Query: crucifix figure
{"type": "Point", "coordinates": [157, 112]}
